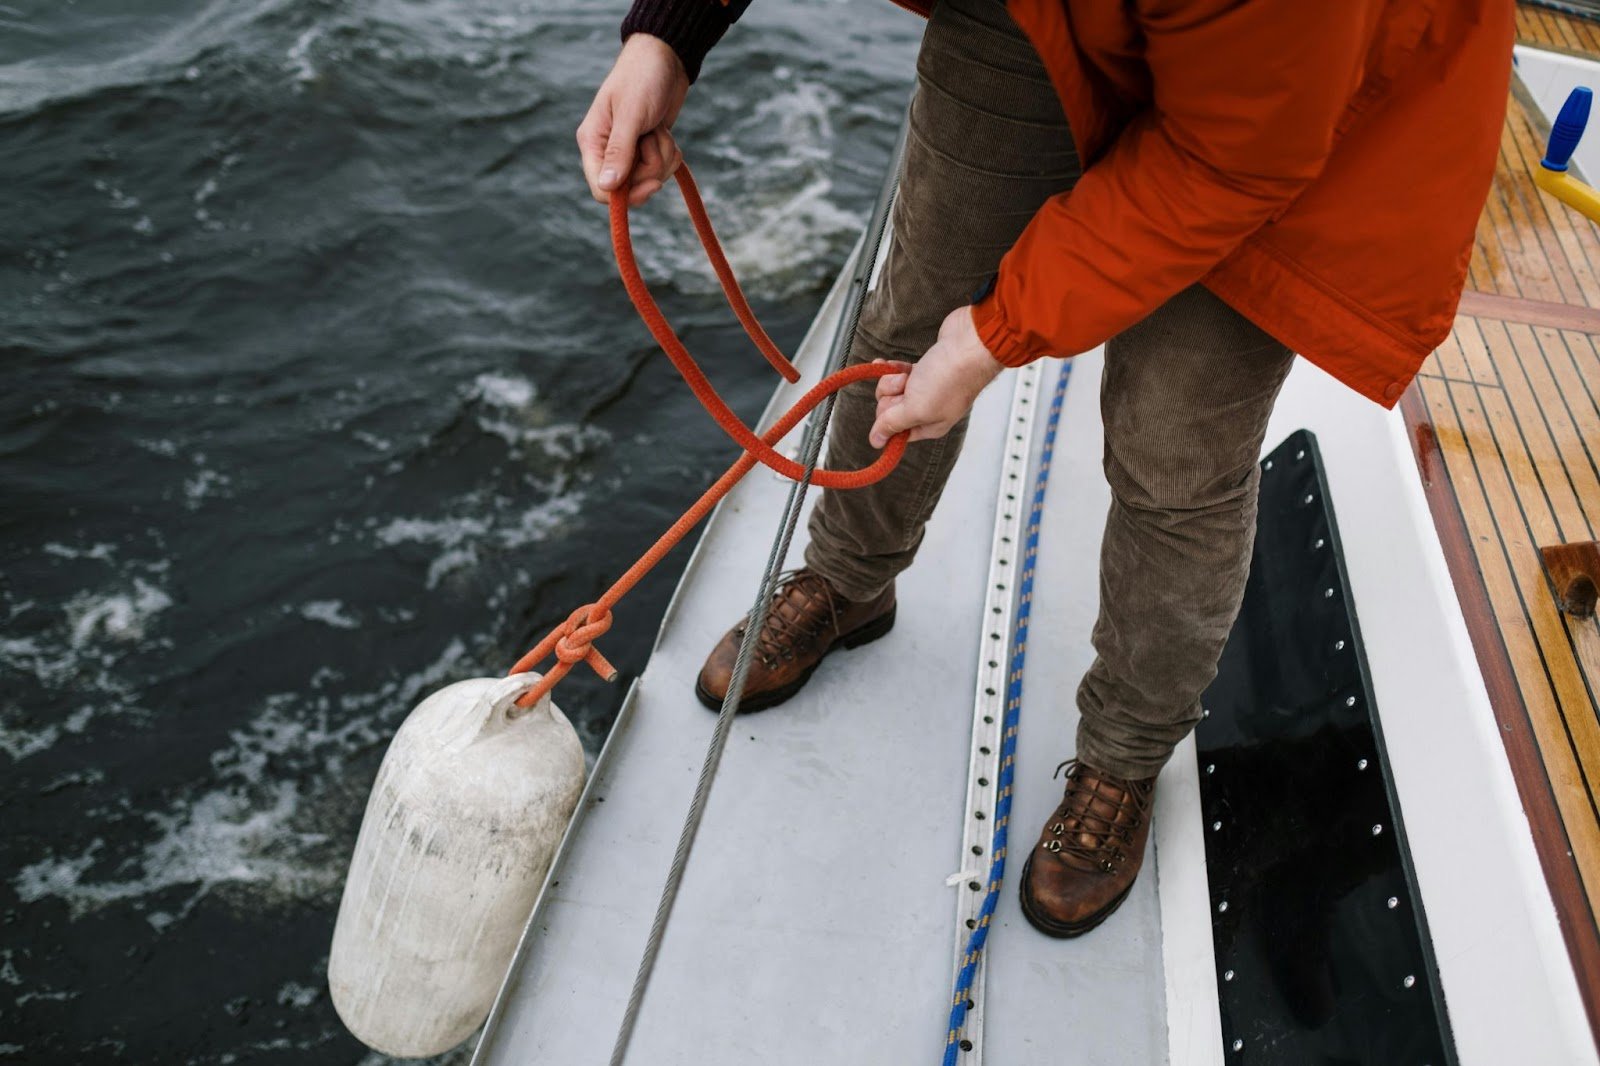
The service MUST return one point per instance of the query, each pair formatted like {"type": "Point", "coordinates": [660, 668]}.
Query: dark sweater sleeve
{"type": "Point", "coordinates": [691, 27]}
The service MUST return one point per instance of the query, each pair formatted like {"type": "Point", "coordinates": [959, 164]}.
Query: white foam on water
{"type": "Point", "coordinates": [204, 484]}
{"type": "Point", "coordinates": [251, 833]}
{"type": "Point", "coordinates": [503, 390]}
{"type": "Point", "coordinates": [774, 210]}
{"type": "Point", "coordinates": [102, 552]}
{"type": "Point", "coordinates": [77, 656]}
{"type": "Point", "coordinates": [512, 413]}
{"type": "Point", "coordinates": [329, 613]}
{"type": "Point", "coordinates": [295, 994]}
{"type": "Point", "coordinates": [299, 56]}
{"type": "Point", "coordinates": [120, 616]}
{"type": "Point", "coordinates": [793, 237]}
{"type": "Point", "coordinates": [459, 538]}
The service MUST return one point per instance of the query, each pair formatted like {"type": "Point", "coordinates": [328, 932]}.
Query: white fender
{"type": "Point", "coordinates": [463, 820]}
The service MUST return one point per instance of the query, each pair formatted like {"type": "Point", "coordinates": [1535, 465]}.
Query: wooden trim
{"type": "Point", "coordinates": [1577, 919]}
{"type": "Point", "coordinates": [1529, 312]}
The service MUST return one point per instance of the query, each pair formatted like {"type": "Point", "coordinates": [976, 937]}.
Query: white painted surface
{"type": "Point", "coordinates": [814, 923]}
{"type": "Point", "coordinates": [1194, 1027]}
{"type": "Point", "coordinates": [1550, 77]}
{"type": "Point", "coordinates": [467, 809]}
{"type": "Point", "coordinates": [1508, 985]}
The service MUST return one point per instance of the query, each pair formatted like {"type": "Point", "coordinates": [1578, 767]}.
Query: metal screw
{"type": "Point", "coordinates": [1377, 830]}
{"type": "Point", "coordinates": [1269, 464]}
{"type": "Point", "coordinates": [1394, 901]}
{"type": "Point", "coordinates": [1222, 906]}
{"type": "Point", "coordinates": [1349, 701]}
{"type": "Point", "coordinates": [1211, 767]}
{"type": "Point", "coordinates": [1338, 645]}
{"type": "Point", "coordinates": [1205, 712]}
{"type": "Point", "coordinates": [1216, 826]}
{"type": "Point", "coordinates": [1361, 764]}
{"type": "Point", "coordinates": [1227, 975]}
{"type": "Point", "coordinates": [1327, 594]}
{"type": "Point", "coordinates": [1238, 1045]}
{"type": "Point", "coordinates": [1410, 980]}
{"type": "Point", "coordinates": [1320, 542]}
{"type": "Point", "coordinates": [1301, 454]}
{"type": "Point", "coordinates": [1309, 497]}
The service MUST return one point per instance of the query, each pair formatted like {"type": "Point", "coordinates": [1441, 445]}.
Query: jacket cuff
{"type": "Point", "coordinates": [689, 27]}
{"type": "Point", "coordinates": [1005, 344]}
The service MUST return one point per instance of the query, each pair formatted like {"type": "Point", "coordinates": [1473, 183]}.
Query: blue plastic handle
{"type": "Point", "coordinates": [1568, 129]}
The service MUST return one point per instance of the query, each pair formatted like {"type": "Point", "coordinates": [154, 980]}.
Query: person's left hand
{"type": "Point", "coordinates": [932, 395]}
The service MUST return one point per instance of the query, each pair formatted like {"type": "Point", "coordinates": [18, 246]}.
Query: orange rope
{"type": "Point", "coordinates": [572, 642]}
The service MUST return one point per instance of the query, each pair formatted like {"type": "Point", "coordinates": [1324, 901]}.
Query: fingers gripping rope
{"type": "Point", "coordinates": [572, 641]}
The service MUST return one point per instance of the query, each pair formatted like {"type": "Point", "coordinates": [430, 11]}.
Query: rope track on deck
{"type": "Point", "coordinates": [1008, 736]}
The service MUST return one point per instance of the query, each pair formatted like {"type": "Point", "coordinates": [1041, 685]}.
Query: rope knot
{"type": "Point", "coordinates": [576, 636]}
{"type": "Point", "coordinates": [572, 642]}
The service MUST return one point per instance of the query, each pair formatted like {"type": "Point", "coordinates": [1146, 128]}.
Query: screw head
{"type": "Point", "coordinates": [1309, 497]}
{"type": "Point", "coordinates": [1216, 826]}
{"type": "Point", "coordinates": [1223, 906]}
{"type": "Point", "coordinates": [1349, 701]}
{"type": "Point", "coordinates": [1211, 767]}
{"type": "Point", "coordinates": [1227, 975]}
{"type": "Point", "coordinates": [1394, 901]}
{"type": "Point", "coordinates": [1327, 594]}
{"type": "Point", "coordinates": [1409, 981]}
{"type": "Point", "coordinates": [1377, 830]}
{"type": "Point", "coordinates": [1238, 1045]}
{"type": "Point", "coordinates": [1301, 454]}
{"type": "Point", "coordinates": [1338, 645]}
{"type": "Point", "coordinates": [1321, 542]}
{"type": "Point", "coordinates": [1361, 764]}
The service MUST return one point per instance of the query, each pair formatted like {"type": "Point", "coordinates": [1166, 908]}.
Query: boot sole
{"type": "Point", "coordinates": [1063, 930]}
{"type": "Point", "coordinates": [864, 634]}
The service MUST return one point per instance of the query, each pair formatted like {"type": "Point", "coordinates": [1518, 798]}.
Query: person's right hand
{"type": "Point", "coordinates": [626, 138]}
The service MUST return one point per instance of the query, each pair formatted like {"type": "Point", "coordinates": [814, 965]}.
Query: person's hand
{"type": "Point", "coordinates": [932, 395]}
{"type": "Point", "coordinates": [626, 138]}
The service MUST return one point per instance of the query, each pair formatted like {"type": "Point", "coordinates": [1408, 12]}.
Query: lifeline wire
{"type": "Point", "coordinates": [1008, 735]}
{"type": "Point", "coordinates": [811, 447]}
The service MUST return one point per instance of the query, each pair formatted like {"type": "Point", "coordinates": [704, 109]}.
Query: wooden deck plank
{"type": "Point", "coordinates": [1448, 360]}
{"type": "Point", "coordinates": [1522, 519]}
{"type": "Point", "coordinates": [1506, 416]}
{"type": "Point", "coordinates": [1572, 418]}
{"type": "Point", "coordinates": [1469, 335]}
{"type": "Point", "coordinates": [1481, 484]}
{"type": "Point", "coordinates": [1545, 438]}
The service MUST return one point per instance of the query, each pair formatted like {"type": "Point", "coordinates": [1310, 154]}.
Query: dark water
{"type": "Point", "coordinates": [320, 391]}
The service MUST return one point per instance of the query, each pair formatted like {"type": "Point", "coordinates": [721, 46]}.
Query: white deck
{"type": "Point", "coordinates": [815, 924]}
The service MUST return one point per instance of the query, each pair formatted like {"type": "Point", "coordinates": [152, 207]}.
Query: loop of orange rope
{"type": "Point", "coordinates": [572, 642]}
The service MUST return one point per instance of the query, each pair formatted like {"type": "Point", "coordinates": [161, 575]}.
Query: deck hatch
{"type": "Point", "coordinates": [1322, 949]}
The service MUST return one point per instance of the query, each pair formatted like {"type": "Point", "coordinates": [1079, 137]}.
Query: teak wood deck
{"type": "Point", "coordinates": [1505, 419]}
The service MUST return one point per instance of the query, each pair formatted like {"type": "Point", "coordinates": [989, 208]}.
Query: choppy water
{"type": "Point", "coordinates": [320, 391]}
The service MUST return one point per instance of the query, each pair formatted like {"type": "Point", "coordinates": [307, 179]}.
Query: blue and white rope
{"type": "Point", "coordinates": [1008, 735]}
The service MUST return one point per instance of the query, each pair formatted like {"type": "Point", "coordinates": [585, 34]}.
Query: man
{"type": "Point", "coordinates": [1204, 186]}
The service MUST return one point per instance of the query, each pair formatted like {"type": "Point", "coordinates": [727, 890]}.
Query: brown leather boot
{"type": "Point", "coordinates": [1089, 853]}
{"type": "Point", "coordinates": [807, 620]}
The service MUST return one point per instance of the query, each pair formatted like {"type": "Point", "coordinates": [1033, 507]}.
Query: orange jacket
{"type": "Point", "coordinates": [1318, 164]}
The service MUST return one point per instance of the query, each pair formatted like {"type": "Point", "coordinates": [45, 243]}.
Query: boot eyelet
{"type": "Point", "coordinates": [1105, 865]}
{"type": "Point", "coordinates": [1058, 829]}
{"type": "Point", "coordinates": [1053, 846]}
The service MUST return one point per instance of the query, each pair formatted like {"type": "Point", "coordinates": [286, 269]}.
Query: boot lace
{"type": "Point", "coordinates": [788, 624]}
{"type": "Point", "coordinates": [1081, 832]}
